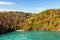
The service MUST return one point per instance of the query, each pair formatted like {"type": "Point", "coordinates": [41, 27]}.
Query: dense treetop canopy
{"type": "Point", "coordinates": [46, 20]}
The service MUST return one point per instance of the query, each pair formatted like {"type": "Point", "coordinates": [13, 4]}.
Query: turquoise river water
{"type": "Point", "coordinates": [31, 35]}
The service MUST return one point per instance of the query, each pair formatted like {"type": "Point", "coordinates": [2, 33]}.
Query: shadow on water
{"type": "Point", "coordinates": [6, 32]}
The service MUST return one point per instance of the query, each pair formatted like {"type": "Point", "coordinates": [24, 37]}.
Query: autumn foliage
{"type": "Point", "coordinates": [47, 20]}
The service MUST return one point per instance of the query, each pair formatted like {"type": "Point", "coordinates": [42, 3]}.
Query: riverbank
{"type": "Point", "coordinates": [20, 30]}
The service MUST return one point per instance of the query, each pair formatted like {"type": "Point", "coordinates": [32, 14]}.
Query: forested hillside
{"type": "Point", "coordinates": [47, 20]}
{"type": "Point", "coordinates": [11, 21]}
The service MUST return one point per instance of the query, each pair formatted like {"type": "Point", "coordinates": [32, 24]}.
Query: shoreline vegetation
{"type": "Point", "coordinates": [48, 20]}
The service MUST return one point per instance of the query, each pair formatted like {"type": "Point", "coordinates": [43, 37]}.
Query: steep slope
{"type": "Point", "coordinates": [10, 21]}
{"type": "Point", "coordinates": [48, 20]}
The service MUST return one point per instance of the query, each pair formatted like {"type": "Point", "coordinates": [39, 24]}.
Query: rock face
{"type": "Point", "coordinates": [47, 20]}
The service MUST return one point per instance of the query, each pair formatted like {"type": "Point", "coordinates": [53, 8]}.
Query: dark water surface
{"type": "Point", "coordinates": [31, 35]}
